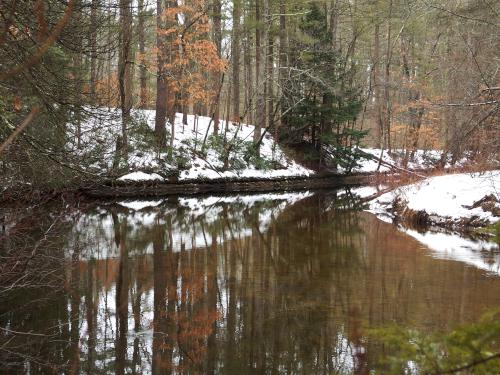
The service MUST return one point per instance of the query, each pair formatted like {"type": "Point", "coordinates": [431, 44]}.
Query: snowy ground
{"type": "Point", "coordinates": [198, 155]}
{"type": "Point", "coordinates": [422, 159]}
{"type": "Point", "coordinates": [448, 197]}
{"type": "Point", "coordinates": [191, 158]}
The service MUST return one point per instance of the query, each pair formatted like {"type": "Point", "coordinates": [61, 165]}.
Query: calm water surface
{"type": "Point", "coordinates": [278, 284]}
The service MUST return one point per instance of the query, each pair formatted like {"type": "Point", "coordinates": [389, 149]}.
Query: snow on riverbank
{"type": "Point", "coordinates": [420, 160]}
{"type": "Point", "coordinates": [449, 197]}
{"type": "Point", "coordinates": [198, 155]}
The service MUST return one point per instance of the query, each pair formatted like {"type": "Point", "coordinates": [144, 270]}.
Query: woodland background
{"type": "Point", "coordinates": [392, 74]}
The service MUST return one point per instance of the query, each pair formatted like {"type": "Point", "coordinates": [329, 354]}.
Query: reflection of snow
{"type": "Point", "coordinates": [477, 253]}
{"type": "Point", "coordinates": [190, 223]}
{"type": "Point", "coordinates": [139, 205]}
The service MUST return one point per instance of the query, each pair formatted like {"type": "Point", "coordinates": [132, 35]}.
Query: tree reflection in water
{"type": "Point", "coordinates": [258, 284]}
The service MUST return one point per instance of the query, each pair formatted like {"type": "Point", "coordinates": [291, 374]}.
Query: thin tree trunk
{"type": "Point", "coordinates": [161, 79]}
{"type": "Point", "coordinates": [282, 64]}
{"type": "Point", "coordinates": [125, 70]}
{"type": "Point", "coordinates": [143, 79]}
{"type": "Point", "coordinates": [379, 125]}
{"type": "Point", "coordinates": [236, 53]}
{"type": "Point", "coordinates": [217, 21]}
{"type": "Point", "coordinates": [93, 48]}
{"type": "Point", "coordinates": [387, 77]}
{"type": "Point", "coordinates": [270, 66]}
{"type": "Point", "coordinates": [260, 114]}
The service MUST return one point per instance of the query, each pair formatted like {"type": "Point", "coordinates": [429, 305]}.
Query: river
{"type": "Point", "coordinates": [272, 283]}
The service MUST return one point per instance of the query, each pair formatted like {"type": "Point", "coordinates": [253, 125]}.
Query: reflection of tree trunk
{"type": "Point", "coordinates": [159, 320]}
{"type": "Point", "coordinates": [231, 308]}
{"type": "Point", "coordinates": [136, 310]}
{"type": "Point", "coordinates": [116, 227]}
{"type": "Point", "coordinates": [171, 323]}
{"type": "Point", "coordinates": [122, 290]}
{"type": "Point", "coordinates": [212, 304]}
{"type": "Point", "coordinates": [91, 307]}
{"type": "Point", "coordinates": [74, 347]}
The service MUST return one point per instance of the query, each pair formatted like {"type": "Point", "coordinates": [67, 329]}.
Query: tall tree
{"type": "Point", "coordinates": [260, 115]}
{"type": "Point", "coordinates": [270, 63]}
{"type": "Point", "coordinates": [283, 52]}
{"type": "Point", "coordinates": [217, 22]}
{"type": "Point", "coordinates": [93, 47]}
{"type": "Point", "coordinates": [143, 79]}
{"type": "Point", "coordinates": [125, 71]}
{"type": "Point", "coordinates": [161, 77]}
{"type": "Point", "coordinates": [236, 57]}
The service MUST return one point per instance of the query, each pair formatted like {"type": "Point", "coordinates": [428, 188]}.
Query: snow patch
{"type": "Point", "coordinates": [139, 205]}
{"type": "Point", "coordinates": [141, 176]}
{"type": "Point", "coordinates": [445, 196]}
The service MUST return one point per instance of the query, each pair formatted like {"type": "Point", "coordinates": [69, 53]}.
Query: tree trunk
{"type": "Point", "coordinates": [78, 64]}
{"type": "Point", "coordinates": [270, 66]}
{"type": "Point", "coordinates": [125, 69]}
{"type": "Point", "coordinates": [236, 52]}
{"type": "Point", "coordinates": [260, 113]}
{"type": "Point", "coordinates": [143, 79]}
{"type": "Point", "coordinates": [282, 64]}
{"type": "Point", "coordinates": [387, 77]}
{"type": "Point", "coordinates": [379, 125]}
{"type": "Point", "coordinates": [93, 48]}
{"type": "Point", "coordinates": [217, 22]}
{"type": "Point", "coordinates": [161, 80]}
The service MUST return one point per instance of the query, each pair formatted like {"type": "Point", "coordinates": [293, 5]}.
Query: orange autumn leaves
{"type": "Point", "coordinates": [193, 58]}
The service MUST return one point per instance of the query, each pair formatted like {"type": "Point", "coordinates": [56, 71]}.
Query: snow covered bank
{"type": "Point", "coordinates": [420, 160]}
{"type": "Point", "coordinates": [458, 200]}
{"type": "Point", "coordinates": [197, 154]}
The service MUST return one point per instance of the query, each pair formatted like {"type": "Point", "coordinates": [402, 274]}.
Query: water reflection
{"type": "Point", "coordinates": [284, 283]}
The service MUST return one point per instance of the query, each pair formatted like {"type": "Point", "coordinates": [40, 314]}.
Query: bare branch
{"type": "Point", "coordinates": [19, 129]}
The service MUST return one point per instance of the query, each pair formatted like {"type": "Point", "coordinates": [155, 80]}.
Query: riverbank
{"type": "Point", "coordinates": [460, 202]}
{"type": "Point", "coordinates": [197, 161]}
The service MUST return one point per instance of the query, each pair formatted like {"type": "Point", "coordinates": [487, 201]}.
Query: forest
{"type": "Point", "coordinates": [91, 89]}
{"type": "Point", "coordinates": [250, 186]}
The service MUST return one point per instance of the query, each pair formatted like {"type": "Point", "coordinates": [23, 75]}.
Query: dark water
{"type": "Point", "coordinates": [278, 284]}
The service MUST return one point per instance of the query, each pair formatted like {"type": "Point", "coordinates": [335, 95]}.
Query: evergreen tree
{"type": "Point", "coordinates": [320, 104]}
